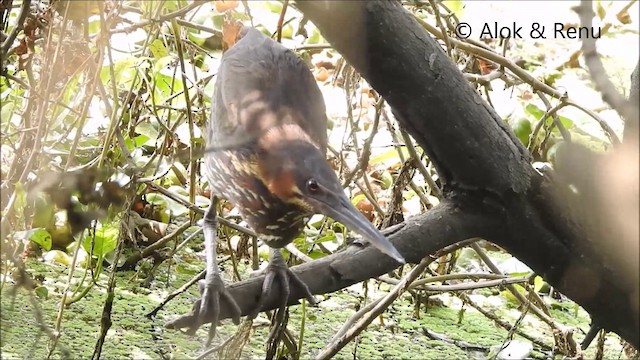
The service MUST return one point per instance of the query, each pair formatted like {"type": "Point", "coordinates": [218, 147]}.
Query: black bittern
{"type": "Point", "coordinates": [269, 125]}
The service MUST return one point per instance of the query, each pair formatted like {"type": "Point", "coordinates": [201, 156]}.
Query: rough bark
{"type": "Point", "coordinates": [474, 153]}
{"type": "Point", "coordinates": [491, 189]}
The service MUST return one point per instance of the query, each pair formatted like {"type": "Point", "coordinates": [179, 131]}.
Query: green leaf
{"type": "Point", "coordinates": [147, 129]}
{"type": "Point", "coordinates": [163, 62]}
{"type": "Point", "coordinates": [537, 113]}
{"type": "Point", "coordinates": [140, 140]}
{"type": "Point", "coordinates": [519, 274]}
{"type": "Point", "coordinates": [124, 71]}
{"type": "Point", "coordinates": [510, 297]}
{"type": "Point", "coordinates": [157, 48]}
{"type": "Point", "coordinates": [315, 37]}
{"type": "Point", "coordinates": [94, 27]}
{"type": "Point", "coordinates": [389, 157]}
{"type": "Point", "coordinates": [167, 85]}
{"type": "Point", "coordinates": [456, 6]}
{"type": "Point", "coordinates": [316, 254]}
{"type": "Point", "coordinates": [21, 200]}
{"type": "Point", "coordinates": [130, 143]}
{"type": "Point", "coordinates": [39, 236]}
{"type": "Point", "coordinates": [329, 236]}
{"type": "Point", "coordinates": [387, 180]}
{"type": "Point", "coordinates": [522, 129]}
{"type": "Point", "coordinates": [106, 239]}
{"type": "Point", "coordinates": [7, 111]}
{"type": "Point", "coordinates": [42, 292]}
{"type": "Point", "coordinates": [534, 111]}
{"type": "Point", "coordinates": [538, 283]}
{"type": "Point", "coordinates": [44, 212]}
{"type": "Point", "coordinates": [218, 21]}
{"type": "Point", "coordinates": [169, 206]}
{"type": "Point", "coordinates": [273, 6]}
{"type": "Point", "coordinates": [356, 199]}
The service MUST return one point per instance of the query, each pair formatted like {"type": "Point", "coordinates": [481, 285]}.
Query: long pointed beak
{"type": "Point", "coordinates": [348, 215]}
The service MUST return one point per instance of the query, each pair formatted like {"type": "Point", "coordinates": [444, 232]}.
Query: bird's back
{"type": "Point", "coordinates": [261, 84]}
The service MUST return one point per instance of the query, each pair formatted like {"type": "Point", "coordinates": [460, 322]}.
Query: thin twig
{"type": "Point", "coordinates": [160, 19]}
{"type": "Point", "coordinates": [596, 69]}
{"type": "Point", "coordinates": [283, 12]}
{"type": "Point", "coordinates": [24, 11]}
{"type": "Point", "coordinates": [498, 59]}
{"type": "Point", "coordinates": [542, 314]}
{"type": "Point", "coordinates": [338, 343]}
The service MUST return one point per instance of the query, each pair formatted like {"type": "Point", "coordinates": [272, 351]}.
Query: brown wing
{"type": "Point", "coordinates": [258, 84]}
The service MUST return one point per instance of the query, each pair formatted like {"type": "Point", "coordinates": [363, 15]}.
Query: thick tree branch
{"type": "Point", "coordinates": [474, 152]}
{"type": "Point", "coordinates": [421, 236]}
{"type": "Point", "coordinates": [491, 189]}
{"type": "Point", "coordinates": [631, 127]}
{"type": "Point", "coordinates": [429, 95]}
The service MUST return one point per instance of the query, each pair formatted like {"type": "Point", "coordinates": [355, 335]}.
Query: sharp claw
{"type": "Point", "coordinates": [235, 309]}
{"type": "Point", "coordinates": [286, 279]}
{"type": "Point", "coordinates": [207, 308]}
{"type": "Point", "coordinates": [299, 283]}
{"type": "Point", "coordinates": [267, 285]}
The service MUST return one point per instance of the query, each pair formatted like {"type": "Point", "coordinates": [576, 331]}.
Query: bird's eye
{"type": "Point", "coordinates": [312, 185]}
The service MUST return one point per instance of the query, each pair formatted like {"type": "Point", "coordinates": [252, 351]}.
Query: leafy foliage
{"type": "Point", "coordinates": [102, 108]}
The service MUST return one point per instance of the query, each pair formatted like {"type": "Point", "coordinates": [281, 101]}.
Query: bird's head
{"type": "Point", "coordinates": [295, 170]}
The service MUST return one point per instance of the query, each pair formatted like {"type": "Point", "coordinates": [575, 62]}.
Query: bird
{"type": "Point", "coordinates": [268, 132]}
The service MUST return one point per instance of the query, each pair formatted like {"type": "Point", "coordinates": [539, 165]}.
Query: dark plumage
{"type": "Point", "coordinates": [269, 120]}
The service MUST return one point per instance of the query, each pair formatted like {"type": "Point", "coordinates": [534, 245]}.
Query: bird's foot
{"type": "Point", "coordinates": [279, 272]}
{"type": "Point", "coordinates": [207, 308]}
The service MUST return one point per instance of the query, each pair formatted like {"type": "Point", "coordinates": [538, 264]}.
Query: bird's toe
{"type": "Point", "coordinates": [207, 308]}
{"type": "Point", "coordinates": [286, 280]}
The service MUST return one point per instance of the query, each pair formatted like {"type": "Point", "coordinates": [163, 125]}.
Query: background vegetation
{"type": "Point", "coordinates": [102, 106]}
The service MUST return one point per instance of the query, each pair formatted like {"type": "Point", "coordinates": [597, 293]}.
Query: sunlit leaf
{"type": "Point", "coordinates": [124, 71]}
{"type": "Point", "coordinates": [57, 257]}
{"type": "Point", "coordinates": [157, 48]}
{"type": "Point", "coordinates": [455, 6]}
{"type": "Point", "coordinates": [329, 236]}
{"type": "Point", "coordinates": [522, 129]}
{"type": "Point", "coordinates": [356, 199]}
{"type": "Point", "coordinates": [315, 37]}
{"type": "Point", "coordinates": [106, 239]}
{"type": "Point", "coordinates": [273, 6]}
{"type": "Point", "coordinates": [537, 113]}
{"type": "Point", "coordinates": [316, 254]}
{"type": "Point", "coordinates": [389, 157]}
{"type": "Point", "coordinates": [141, 140]}
{"type": "Point", "coordinates": [39, 236]}
{"type": "Point", "coordinates": [168, 206]}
